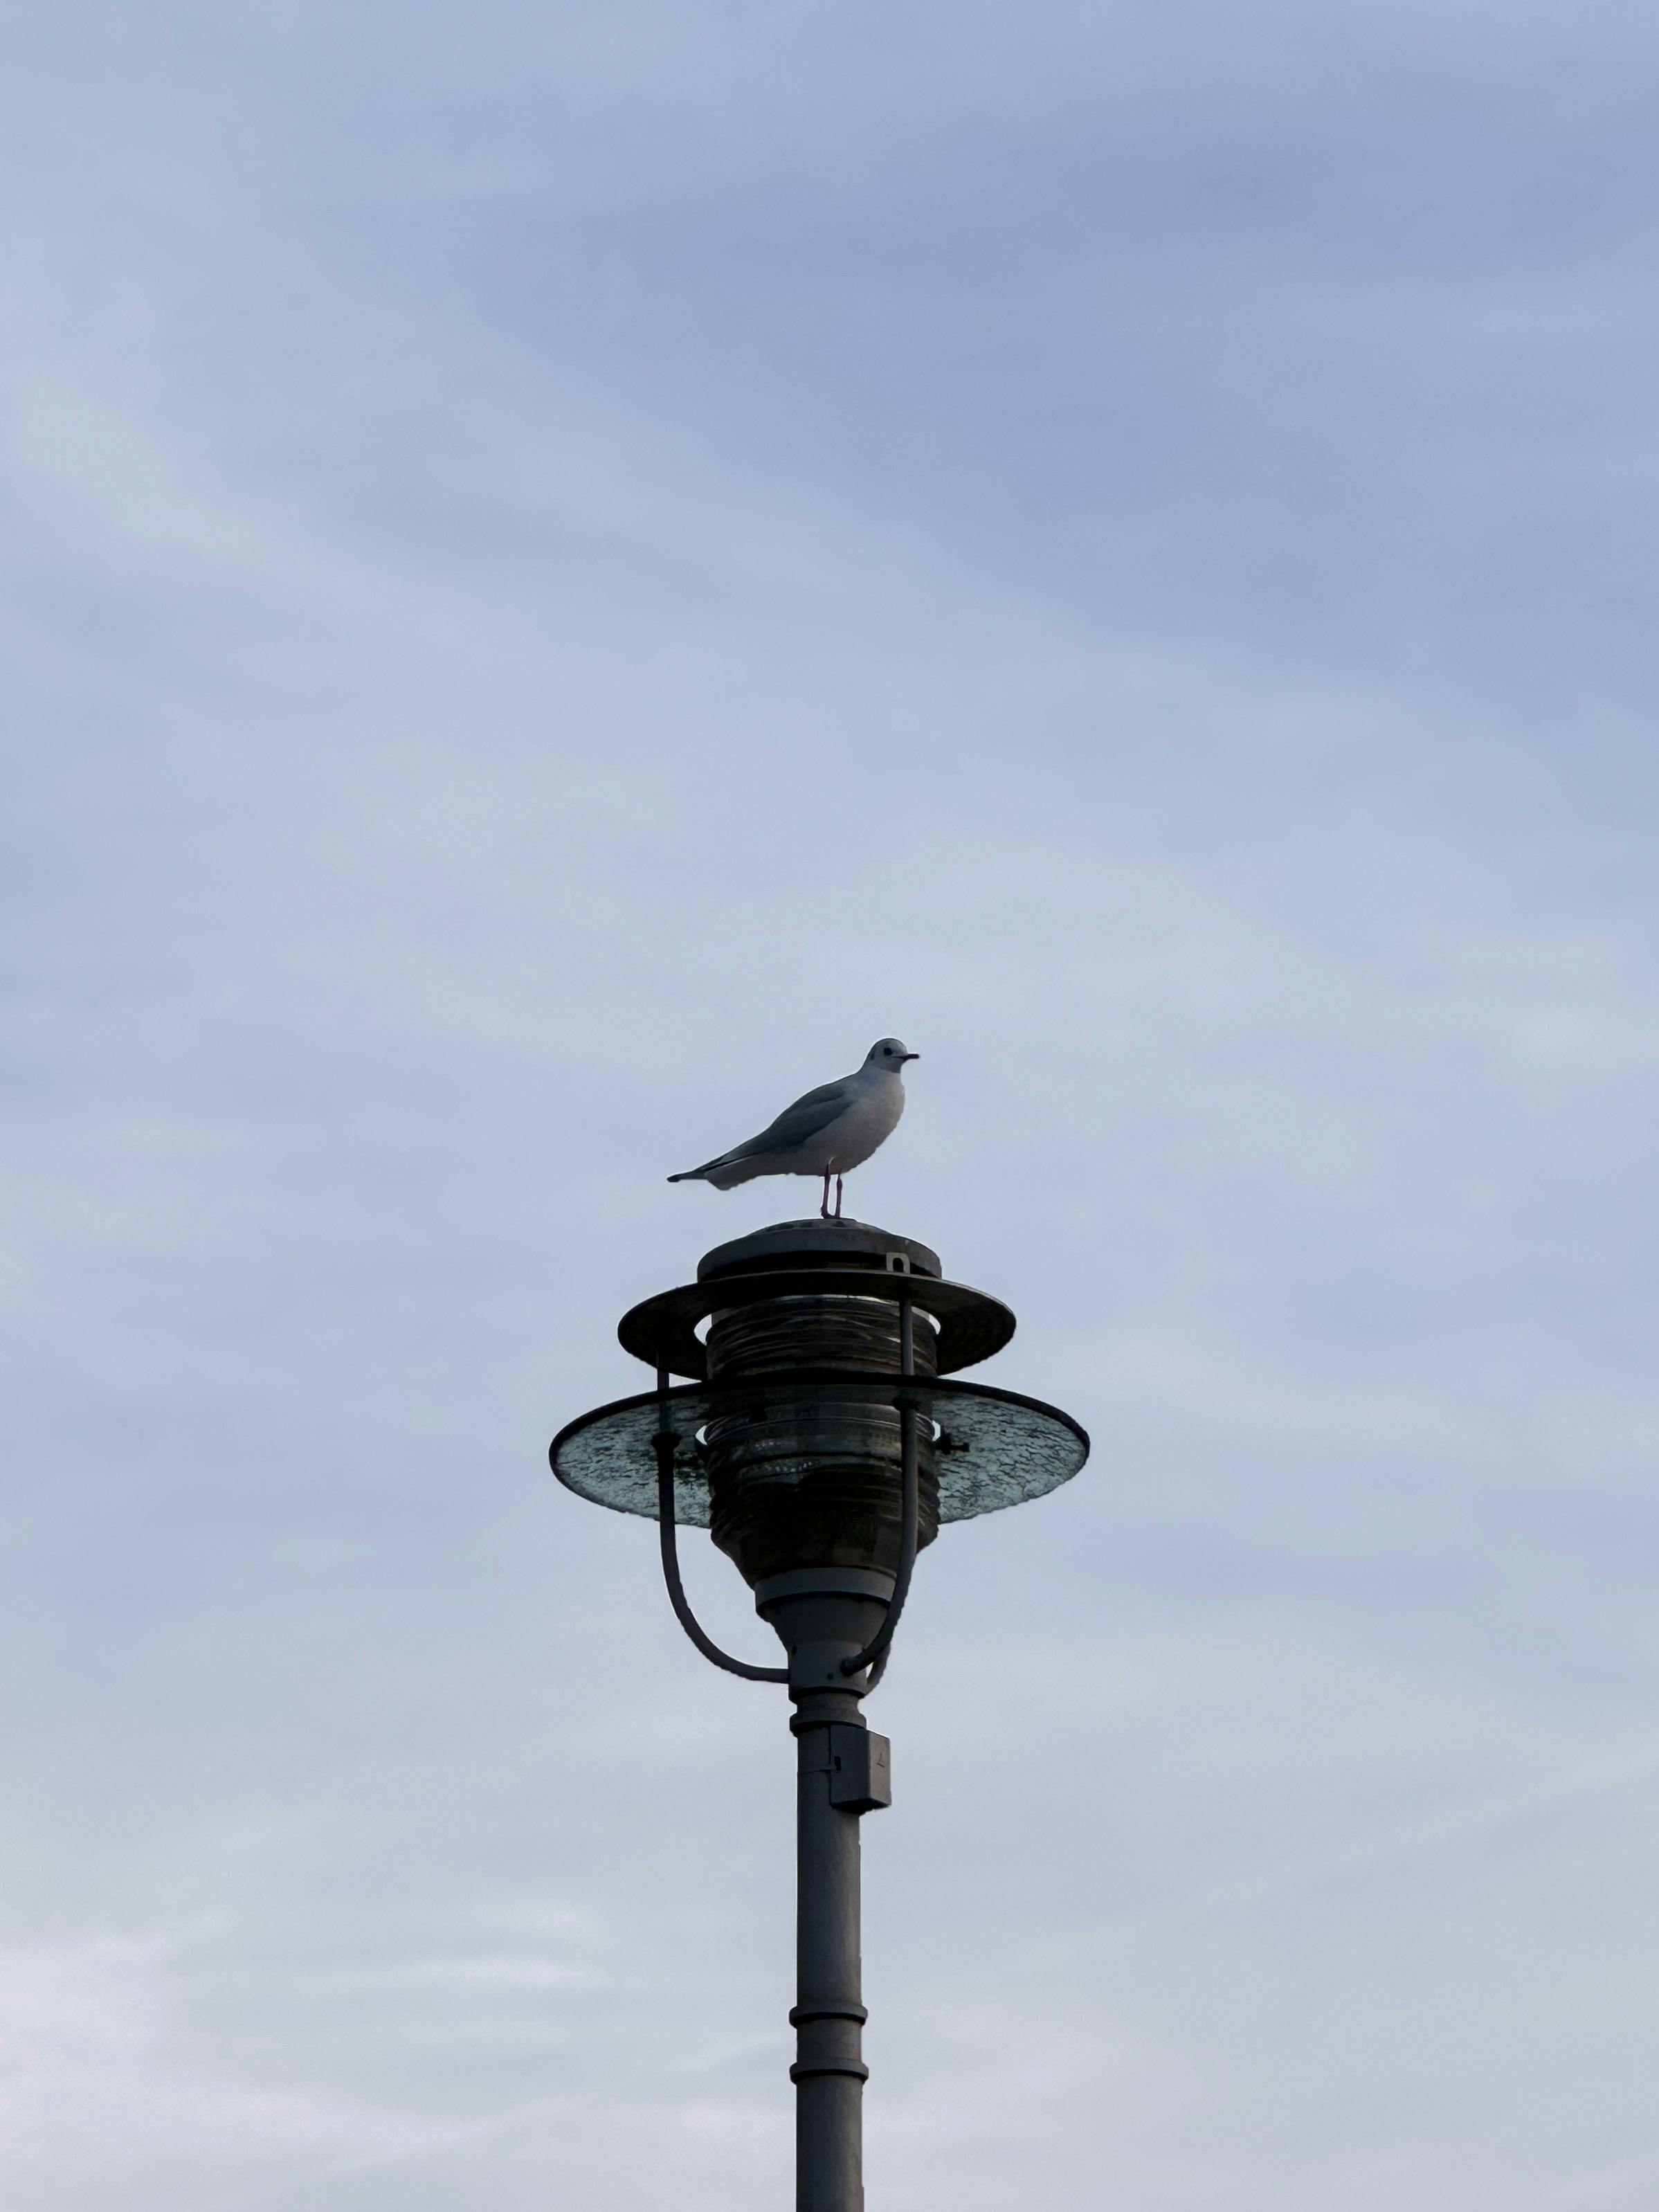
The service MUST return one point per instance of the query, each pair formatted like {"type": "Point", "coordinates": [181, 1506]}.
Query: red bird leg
{"type": "Point", "coordinates": [823, 1210]}
{"type": "Point", "coordinates": [838, 1198]}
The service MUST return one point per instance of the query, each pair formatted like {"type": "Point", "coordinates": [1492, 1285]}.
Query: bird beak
{"type": "Point", "coordinates": [909, 1055]}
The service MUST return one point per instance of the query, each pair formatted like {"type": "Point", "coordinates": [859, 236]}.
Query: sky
{"type": "Point", "coordinates": [566, 567]}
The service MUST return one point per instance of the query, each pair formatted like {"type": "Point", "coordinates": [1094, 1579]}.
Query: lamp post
{"type": "Point", "coordinates": [822, 1440]}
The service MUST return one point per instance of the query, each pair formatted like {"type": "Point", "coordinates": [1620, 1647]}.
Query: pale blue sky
{"type": "Point", "coordinates": [566, 568]}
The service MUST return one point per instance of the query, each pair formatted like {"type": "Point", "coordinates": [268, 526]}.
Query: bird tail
{"type": "Point", "coordinates": [706, 1173]}
{"type": "Point", "coordinates": [729, 1169]}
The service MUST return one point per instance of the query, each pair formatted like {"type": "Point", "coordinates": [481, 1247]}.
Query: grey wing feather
{"type": "Point", "coordinates": [816, 1111]}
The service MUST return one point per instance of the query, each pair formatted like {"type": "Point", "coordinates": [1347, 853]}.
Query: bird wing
{"type": "Point", "coordinates": [816, 1111]}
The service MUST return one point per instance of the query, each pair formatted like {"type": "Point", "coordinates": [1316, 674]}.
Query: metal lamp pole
{"type": "Point", "coordinates": [822, 1443]}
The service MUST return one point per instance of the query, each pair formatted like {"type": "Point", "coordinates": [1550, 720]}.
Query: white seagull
{"type": "Point", "coordinates": [829, 1132]}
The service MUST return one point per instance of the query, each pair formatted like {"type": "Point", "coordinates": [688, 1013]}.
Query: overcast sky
{"type": "Point", "coordinates": [566, 566]}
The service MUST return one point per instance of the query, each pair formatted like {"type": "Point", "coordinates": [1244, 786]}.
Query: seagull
{"type": "Point", "coordinates": [829, 1132]}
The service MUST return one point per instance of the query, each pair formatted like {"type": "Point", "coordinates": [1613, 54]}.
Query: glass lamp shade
{"type": "Point", "coordinates": [992, 1449]}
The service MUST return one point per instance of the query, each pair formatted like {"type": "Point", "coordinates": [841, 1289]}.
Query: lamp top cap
{"type": "Point", "coordinates": [816, 1244]}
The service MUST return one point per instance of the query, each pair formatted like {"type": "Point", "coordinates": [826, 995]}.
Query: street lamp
{"type": "Point", "coordinates": [821, 1441]}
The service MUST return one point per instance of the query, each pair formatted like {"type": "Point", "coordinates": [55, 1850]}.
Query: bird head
{"type": "Point", "coordinates": [888, 1052]}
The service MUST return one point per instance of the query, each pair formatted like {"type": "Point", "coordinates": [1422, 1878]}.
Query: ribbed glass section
{"type": "Point", "coordinates": [812, 1480]}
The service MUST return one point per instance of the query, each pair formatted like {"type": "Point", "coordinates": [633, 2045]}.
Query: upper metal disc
{"type": "Point", "coordinates": [663, 1331]}
{"type": "Point", "coordinates": [993, 1448]}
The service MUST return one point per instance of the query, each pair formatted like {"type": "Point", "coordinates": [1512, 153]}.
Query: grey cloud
{"type": "Point", "coordinates": [446, 708]}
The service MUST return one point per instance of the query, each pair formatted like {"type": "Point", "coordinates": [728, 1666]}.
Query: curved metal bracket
{"type": "Point", "coordinates": [666, 1445]}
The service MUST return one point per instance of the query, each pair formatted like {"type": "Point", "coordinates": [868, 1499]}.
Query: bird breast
{"type": "Point", "coordinates": [869, 1122]}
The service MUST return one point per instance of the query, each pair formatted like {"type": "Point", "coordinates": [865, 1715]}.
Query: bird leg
{"type": "Point", "coordinates": [823, 1210]}
{"type": "Point", "coordinates": [838, 1198]}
